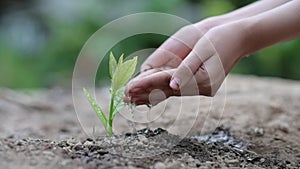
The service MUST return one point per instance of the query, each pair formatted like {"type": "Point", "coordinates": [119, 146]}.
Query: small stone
{"type": "Point", "coordinates": [174, 164]}
{"type": "Point", "coordinates": [19, 149]}
{"type": "Point", "coordinates": [284, 128]}
{"type": "Point", "coordinates": [115, 161]}
{"type": "Point", "coordinates": [63, 144]}
{"type": "Point", "coordinates": [159, 165]}
{"type": "Point", "coordinates": [233, 161]}
{"type": "Point", "coordinates": [158, 131]}
{"type": "Point", "coordinates": [88, 143]}
{"type": "Point", "coordinates": [31, 147]}
{"type": "Point", "coordinates": [72, 141]}
{"type": "Point", "coordinates": [142, 138]}
{"type": "Point", "coordinates": [66, 162]}
{"type": "Point", "coordinates": [258, 131]}
{"type": "Point", "coordinates": [48, 153]}
{"type": "Point", "coordinates": [77, 147]}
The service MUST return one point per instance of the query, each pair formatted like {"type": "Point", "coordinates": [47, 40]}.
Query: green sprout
{"type": "Point", "coordinates": [120, 72]}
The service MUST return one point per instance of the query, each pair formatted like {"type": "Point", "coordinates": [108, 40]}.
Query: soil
{"type": "Point", "coordinates": [257, 125]}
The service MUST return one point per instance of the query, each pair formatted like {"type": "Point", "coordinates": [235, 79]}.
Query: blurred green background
{"type": "Point", "coordinates": [41, 39]}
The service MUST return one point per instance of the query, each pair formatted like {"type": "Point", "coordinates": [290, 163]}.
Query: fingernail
{"type": "Point", "coordinates": [126, 99]}
{"type": "Point", "coordinates": [174, 84]}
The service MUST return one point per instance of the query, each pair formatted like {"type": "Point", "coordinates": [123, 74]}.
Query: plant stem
{"type": "Point", "coordinates": [109, 131]}
{"type": "Point", "coordinates": [111, 110]}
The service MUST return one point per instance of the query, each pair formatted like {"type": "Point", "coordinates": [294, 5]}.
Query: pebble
{"type": "Point", "coordinates": [88, 143]}
{"type": "Point", "coordinates": [63, 144]}
{"type": "Point", "coordinates": [284, 128]}
{"type": "Point", "coordinates": [72, 141]}
{"type": "Point", "coordinates": [159, 165]}
{"type": "Point", "coordinates": [31, 147]}
{"type": "Point", "coordinates": [77, 147]}
{"type": "Point", "coordinates": [66, 162]}
{"type": "Point", "coordinates": [233, 161]}
{"type": "Point", "coordinates": [142, 138]}
{"type": "Point", "coordinates": [20, 148]}
{"type": "Point", "coordinates": [48, 153]}
{"type": "Point", "coordinates": [258, 131]}
{"type": "Point", "coordinates": [174, 164]}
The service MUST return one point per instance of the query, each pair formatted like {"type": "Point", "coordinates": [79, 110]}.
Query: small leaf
{"type": "Point", "coordinates": [118, 101]}
{"type": "Point", "coordinates": [96, 108]}
{"type": "Point", "coordinates": [112, 64]}
{"type": "Point", "coordinates": [120, 60]}
{"type": "Point", "coordinates": [123, 73]}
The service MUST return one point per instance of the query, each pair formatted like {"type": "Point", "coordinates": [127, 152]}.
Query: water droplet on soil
{"type": "Point", "coordinates": [148, 115]}
{"type": "Point", "coordinates": [131, 123]}
{"type": "Point", "coordinates": [225, 137]}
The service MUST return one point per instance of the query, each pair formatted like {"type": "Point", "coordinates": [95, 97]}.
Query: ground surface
{"type": "Point", "coordinates": [260, 119]}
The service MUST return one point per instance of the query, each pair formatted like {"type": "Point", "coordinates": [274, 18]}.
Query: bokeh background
{"type": "Point", "coordinates": [41, 39]}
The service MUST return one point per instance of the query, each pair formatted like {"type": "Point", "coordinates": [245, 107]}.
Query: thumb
{"type": "Point", "coordinates": [185, 71]}
{"type": "Point", "coordinates": [202, 51]}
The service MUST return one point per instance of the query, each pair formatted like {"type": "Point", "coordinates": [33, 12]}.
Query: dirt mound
{"type": "Point", "coordinates": [141, 150]}
{"type": "Point", "coordinates": [260, 119]}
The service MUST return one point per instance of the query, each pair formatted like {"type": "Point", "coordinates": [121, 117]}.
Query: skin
{"type": "Point", "coordinates": [197, 58]}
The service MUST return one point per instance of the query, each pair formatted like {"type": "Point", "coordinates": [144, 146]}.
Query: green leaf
{"type": "Point", "coordinates": [96, 108]}
{"type": "Point", "coordinates": [120, 59]}
{"type": "Point", "coordinates": [123, 73]}
{"type": "Point", "coordinates": [118, 101]}
{"type": "Point", "coordinates": [112, 64]}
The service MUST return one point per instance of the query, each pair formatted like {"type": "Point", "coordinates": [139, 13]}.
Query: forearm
{"type": "Point", "coordinates": [242, 13]}
{"type": "Point", "coordinates": [253, 9]}
{"type": "Point", "coordinates": [277, 25]}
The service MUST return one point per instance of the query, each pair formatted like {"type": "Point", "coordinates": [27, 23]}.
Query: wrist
{"type": "Point", "coordinates": [209, 23]}
{"type": "Point", "coordinates": [229, 42]}
{"type": "Point", "coordinates": [235, 34]}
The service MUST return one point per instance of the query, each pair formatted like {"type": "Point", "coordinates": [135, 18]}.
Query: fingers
{"type": "Point", "coordinates": [211, 77]}
{"type": "Point", "coordinates": [165, 56]}
{"type": "Point", "coordinates": [202, 51]}
{"type": "Point", "coordinates": [147, 83]}
{"type": "Point", "coordinates": [175, 49]}
{"type": "Point", "coordinates": [143, 90]}
{"type": "Point", "coordinates": [153, 97]}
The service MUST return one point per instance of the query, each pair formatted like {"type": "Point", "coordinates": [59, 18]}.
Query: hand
{"type": "Point", "coordinates": [204, 68]}
{"type": "Point", "coordinates": [212, 58]}
{"type": "Point", "coordinates": [170, 54]}
{"type": "Point", "coordinates": [195, 75]}
{"type": "Point", "coordinates": [146, 88]}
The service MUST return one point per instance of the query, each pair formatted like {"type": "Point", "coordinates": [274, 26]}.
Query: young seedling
{"type": "Point", "coordinates": [120, 72]}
